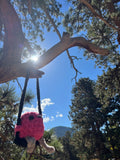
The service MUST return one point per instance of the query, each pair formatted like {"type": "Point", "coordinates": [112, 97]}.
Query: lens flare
{"type": "Point", "coordinates": [34, 57]}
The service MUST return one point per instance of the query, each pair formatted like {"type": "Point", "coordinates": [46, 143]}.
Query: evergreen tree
{"type": "Point", "coordinates": [112, 128]}
{"type": "Point", "coordinates": [69, 150]}
{"type": "Point", "coordinates": [88, 120]}
{"type": "Point", "coordinates": [8, 110]}
{"type": "Point", "coordinates": [108, 91]}
{"type": "Point", "coordinates": [108, 85]}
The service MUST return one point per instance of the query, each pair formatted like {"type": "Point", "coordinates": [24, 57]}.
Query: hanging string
{"type": "Point", "coordinates": [22, 100]}
{"type": "Point", "coordinates": [38, 96]}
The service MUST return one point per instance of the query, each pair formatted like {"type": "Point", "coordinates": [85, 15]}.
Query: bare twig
{"type": "Point", "coordinates": [18, 84]}
{"type": "Point", "coordinates": [71, 61]}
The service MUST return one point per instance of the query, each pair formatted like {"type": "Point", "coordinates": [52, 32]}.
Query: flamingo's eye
{"type": "Point", "coordinates": [31, 117]}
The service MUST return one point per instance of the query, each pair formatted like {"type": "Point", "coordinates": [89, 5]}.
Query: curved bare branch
{"type": "Point", "coordinates": [65, 44]}
{"type": "Point", "coordinates": [13, 71]}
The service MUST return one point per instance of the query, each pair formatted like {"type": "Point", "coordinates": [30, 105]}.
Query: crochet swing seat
{"type": "Point", "coordinates": [31, 125]}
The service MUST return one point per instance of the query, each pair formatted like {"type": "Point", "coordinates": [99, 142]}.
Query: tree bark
{"type": "Point", "coordinates": [14, 37]}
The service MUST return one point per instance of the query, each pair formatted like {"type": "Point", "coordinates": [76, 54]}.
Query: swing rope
{"type": "Point", "coordinates": [22, 100]}
{"type": "Point", "coordinates": [38, 96]}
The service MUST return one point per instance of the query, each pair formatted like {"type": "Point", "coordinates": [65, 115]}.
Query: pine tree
{"type": "Point", "coordinates": [108, 91]}
{"type": "Point", "coordinates": [8, 110]}
{"type": "Point", "coordinates": [88, 119]}
{"type": "Point", "coordinates": [69, 150]}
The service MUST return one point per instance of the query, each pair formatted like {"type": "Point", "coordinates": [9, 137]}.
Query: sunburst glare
{"type": "Point", "coordinates": [34, 57]}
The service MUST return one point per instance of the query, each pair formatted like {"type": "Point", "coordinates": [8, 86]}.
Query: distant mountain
{"type": "Point", "coordinates": [60, 131]}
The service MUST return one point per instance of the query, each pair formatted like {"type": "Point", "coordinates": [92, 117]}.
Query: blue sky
{"type": "Point", "coordinates": [56, 85]}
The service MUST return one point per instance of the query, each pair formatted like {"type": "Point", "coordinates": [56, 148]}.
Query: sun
{"type": "Point", "coordinates": [34, 58]}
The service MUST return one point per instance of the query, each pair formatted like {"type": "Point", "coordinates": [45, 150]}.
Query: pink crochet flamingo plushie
{"type": "Point", "coordinates": [32, 129]}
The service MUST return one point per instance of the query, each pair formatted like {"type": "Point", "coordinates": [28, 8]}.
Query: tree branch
{"type": "Point", "coordinates": [115, 18]}
{"type": "Point", "coordinates": [65, 44]}
{"type": "Point", "coordinates": [97, 15]}
{"type": "Point", "coordinates": [19, 84]}
{"type": "Point", "coordinates": [112, 9]}
{"type": "Point", "coordinates": [51, 21]}
{"type": "Point", "coordinates": [14, 37]}
{"type": "Point", "coordinates": [12, 71]}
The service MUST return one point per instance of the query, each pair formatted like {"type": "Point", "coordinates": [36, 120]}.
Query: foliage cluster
{"type": "Point", "coordinates": [8, 111]}
{"type": "Point", "coordinates": [98, 22]}
{"type": "Point", "coordinates": [95, 116]}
